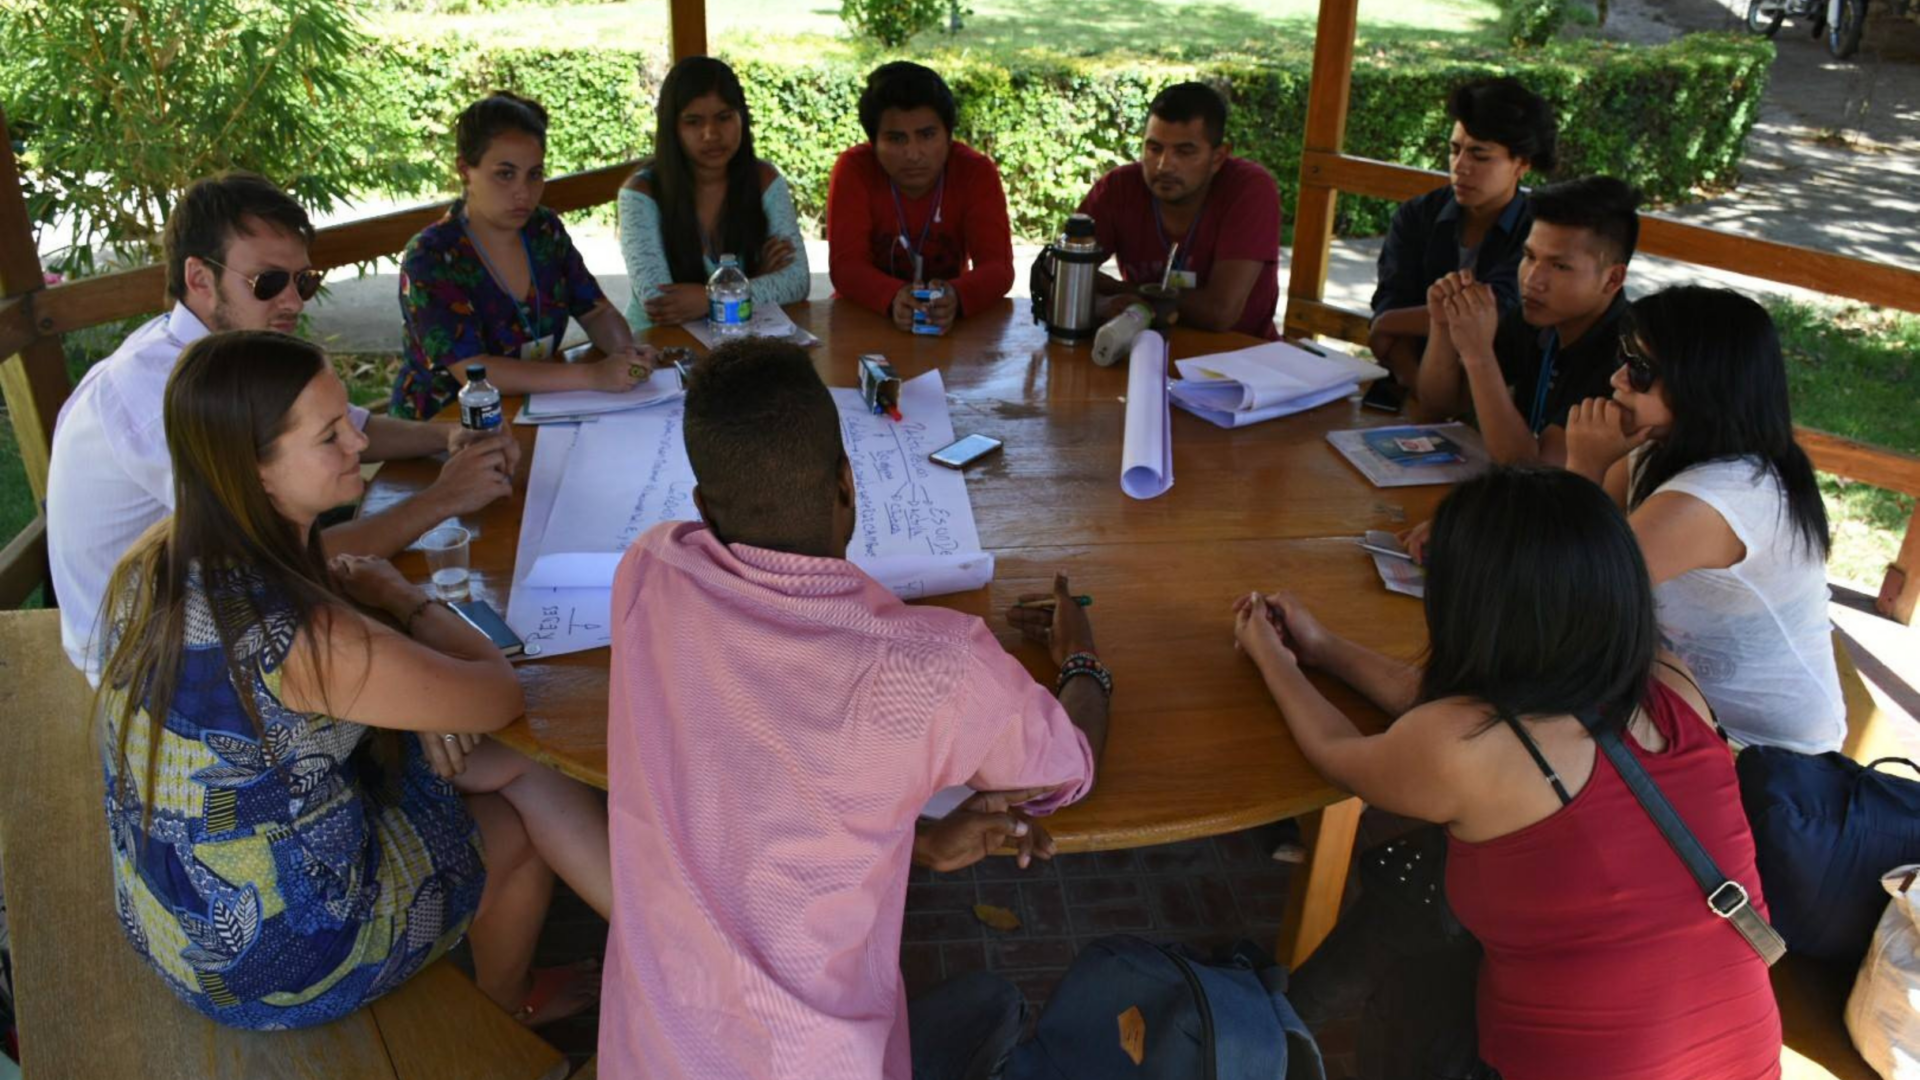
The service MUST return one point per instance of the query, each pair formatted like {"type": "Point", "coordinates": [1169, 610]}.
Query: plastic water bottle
{"type": "Point", "coordinates": [479, 401]}
{"type": "Point", "coordinates": [1115, 339]}
{"type": "Point", "coordinates": [729, 299]}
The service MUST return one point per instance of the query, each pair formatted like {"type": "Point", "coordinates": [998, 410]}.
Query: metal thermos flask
{"type": "Point", "coordinates": [1062, 282]}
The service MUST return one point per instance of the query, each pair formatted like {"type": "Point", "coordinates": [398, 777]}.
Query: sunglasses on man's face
{"type": "Point", "coordinates": [1640, 370]}
{"type": "Point", "coordinates": [274, 282]}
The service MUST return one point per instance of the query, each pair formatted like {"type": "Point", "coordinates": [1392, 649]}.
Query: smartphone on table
{"type": "Point", "coordinates": [962, 452]}
{"type": "Point", "coordinates": [1385, 395]}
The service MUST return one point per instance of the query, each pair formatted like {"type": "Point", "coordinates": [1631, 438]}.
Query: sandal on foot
{"type": "Point", "coordinates": [561, 992]}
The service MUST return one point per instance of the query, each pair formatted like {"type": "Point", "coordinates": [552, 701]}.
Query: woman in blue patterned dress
{"type": "Point", "coordinates": [303, 812]}
{"type": "Point", "coordinates": [496, 280]}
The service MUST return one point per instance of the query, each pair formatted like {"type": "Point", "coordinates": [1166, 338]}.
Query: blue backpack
{"type": "Point", "coordinates": [1824, 829]}
{"type": "Point", "coordinates": [1128, 1008]}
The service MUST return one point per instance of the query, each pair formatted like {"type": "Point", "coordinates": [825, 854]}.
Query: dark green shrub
{"type": "Point", "coordinates": [891, 22]}
{"type": "Point", "coordinates": [1673, 119]}
{"type": "Point", "coordinates": [1532, 23]}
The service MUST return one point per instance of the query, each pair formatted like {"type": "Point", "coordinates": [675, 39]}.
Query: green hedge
{"type": "Point", "coordinates": [1673, 119]}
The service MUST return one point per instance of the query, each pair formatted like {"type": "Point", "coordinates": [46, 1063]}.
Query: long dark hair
{"type": "Point", "coordinates": [1725, 382]}
{"type": "Point", "coordinates": [226, 404]}
{"type": "Point", "coordinates": [743, 220]}
{"type": "Point", "coordinates": [1538, 601]}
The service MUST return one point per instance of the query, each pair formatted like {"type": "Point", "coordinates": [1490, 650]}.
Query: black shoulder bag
{"type": "Point", "coordinates": [1726, 897]}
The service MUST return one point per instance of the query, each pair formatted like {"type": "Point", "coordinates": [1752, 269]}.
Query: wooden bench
{"type": "Point", "coordinates": [1813, 994]}
{"type": "Point", "coordinates": [88, 1007]}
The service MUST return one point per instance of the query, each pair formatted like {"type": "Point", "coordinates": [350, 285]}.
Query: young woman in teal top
{"type": "Point", "coordinates": [703, 195]}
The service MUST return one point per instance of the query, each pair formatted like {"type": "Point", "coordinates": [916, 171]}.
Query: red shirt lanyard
{"type": "Point", "coordinates": [1186, 243]}
{"type": "Point", "coordinates": [900, 216]}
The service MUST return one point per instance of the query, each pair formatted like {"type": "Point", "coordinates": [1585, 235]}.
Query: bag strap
{"type": "Point", "coordinates": [1877, 762]}
{"type": "Point", "coordinates": [1726, 897]}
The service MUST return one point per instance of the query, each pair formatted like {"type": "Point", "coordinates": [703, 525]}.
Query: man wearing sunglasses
{"type": "Point", "coordinates": [1519, 374]}
{"type": "Point", "coordinates": [236, 258]}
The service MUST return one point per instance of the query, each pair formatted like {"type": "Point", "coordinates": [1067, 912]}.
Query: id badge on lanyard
{"type": "Point", "coordinates": [540, 348]}
{"type": "Point", "coordinates": [1184, 279]}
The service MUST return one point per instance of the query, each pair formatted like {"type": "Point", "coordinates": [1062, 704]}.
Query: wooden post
{"type": "Point", "coordinates": [1327, 99]}
{"type": "Point", "coordinates": [688, 20]}
{"type": "Point", "coordinates": [1900, 591]}
{"type": "Point", "coordinates": [34, 380]}
{"type": "Point", "coordinates": [1319, 884]}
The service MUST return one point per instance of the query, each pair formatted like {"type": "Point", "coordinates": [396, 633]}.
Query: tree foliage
{"type": "Point", "coordinates": [892, 22]}
{"type": "Point", "coordinates": [120, 104]}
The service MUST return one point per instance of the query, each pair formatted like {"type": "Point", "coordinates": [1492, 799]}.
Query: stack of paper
{"type": "Point", "coordinates": [566, 406]}
{"type": "Point", "coordinates": [768, 321]}
{"type": "Point", "coordinates": [1399, 573]}
{"type": "Point", "coordinates": [1459, 440]}
{"type": "Point", "coordinates": [1266, 381]}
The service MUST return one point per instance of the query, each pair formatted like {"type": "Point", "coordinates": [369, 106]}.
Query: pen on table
{"type": "Point", "coordinates": [1311, 347]}
{"type": "Point", "coordinates": [1387, 551]}
{"type": "Point", "coordinates": [1047, 604]}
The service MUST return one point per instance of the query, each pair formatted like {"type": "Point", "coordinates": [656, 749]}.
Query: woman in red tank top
{"type": "Point", "coordinates": [1602, 959]}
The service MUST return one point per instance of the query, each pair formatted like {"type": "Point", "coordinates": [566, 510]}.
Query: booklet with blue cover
{"type": "Point", "coordinates": [1413, 446]}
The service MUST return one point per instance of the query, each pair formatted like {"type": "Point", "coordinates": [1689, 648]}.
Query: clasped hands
{"type": "Point", "coordinates": [1277, 628]}
{"type": "Point", "coordinates": [981, 826]}
{"type": "Point", "coordinates": [940, 311]}
{"type": "Point", "coordinates": [1466, 312]}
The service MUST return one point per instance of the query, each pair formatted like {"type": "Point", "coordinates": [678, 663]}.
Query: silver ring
{"type": "Point", "coordinates": [451, 738]}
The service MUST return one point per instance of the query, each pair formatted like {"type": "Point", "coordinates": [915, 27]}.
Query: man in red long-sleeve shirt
{"type": "Point", "coordinates": [911, 195]}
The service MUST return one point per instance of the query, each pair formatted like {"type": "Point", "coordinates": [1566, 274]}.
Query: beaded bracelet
{"type": "Point", "coordinates": [406, 624]}
{"type": "Point", "coordinates": [1084, 663]}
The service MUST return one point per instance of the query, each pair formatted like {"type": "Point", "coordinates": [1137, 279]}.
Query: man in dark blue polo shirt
{"type": "Point", "coordinates": [1519, 373]}
{"type": "Point", "coordinates": [1501, 131]}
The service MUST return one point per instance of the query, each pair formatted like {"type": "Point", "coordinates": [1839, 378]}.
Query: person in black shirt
{"type": "Point", "coordinates": [1520, 373]}
{"type": "Point", "coordinates": [1477, 222]}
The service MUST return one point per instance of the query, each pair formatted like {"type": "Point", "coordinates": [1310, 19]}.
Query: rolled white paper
{"type": "Point", "coordinates": [1146, 450]}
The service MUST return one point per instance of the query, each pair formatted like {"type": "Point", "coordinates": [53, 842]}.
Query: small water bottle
{"type": "Point", "coordinates": [479, 401]}
{"type": "Point", "coordinates": [1115, 339]}
{"type": "Point", "coordinates": [729, 299]}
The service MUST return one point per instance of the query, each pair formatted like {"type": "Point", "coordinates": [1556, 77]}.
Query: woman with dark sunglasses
{"type": "Point", "coordinates": [1697, 445]}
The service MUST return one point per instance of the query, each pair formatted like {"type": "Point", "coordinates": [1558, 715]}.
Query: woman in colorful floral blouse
{"type": "Point", "coordinates": [496, 280]}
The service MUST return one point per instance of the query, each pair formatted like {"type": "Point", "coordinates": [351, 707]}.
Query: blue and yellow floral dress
{"type": "Point", "coordinates": [289, 876]}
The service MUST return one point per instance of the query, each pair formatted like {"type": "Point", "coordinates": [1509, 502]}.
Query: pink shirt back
{"type": "Point", "coordinates": [775, 723]}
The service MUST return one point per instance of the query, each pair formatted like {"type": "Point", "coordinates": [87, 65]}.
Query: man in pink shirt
{"type": "Point", "coordinates": [776, 721]}
{"type": "Point", "coordinates": [1189, 200]}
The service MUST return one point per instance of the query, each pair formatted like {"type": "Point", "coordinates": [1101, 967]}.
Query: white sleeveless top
{"type": "Point", "coordinates": [1757, 634]}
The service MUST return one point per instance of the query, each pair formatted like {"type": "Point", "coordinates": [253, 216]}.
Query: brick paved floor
{"type": "Point", "coordinates": [1201, 892]}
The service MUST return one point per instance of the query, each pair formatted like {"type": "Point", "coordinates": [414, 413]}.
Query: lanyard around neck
{"type": "Point", "coordinates": [900, 216]}
{"type": "Point", "coordinates": [1538, 420]}
{"type": "Point", "coordinates": [1186, 242]}
{"type": "Point", "coordinates": [528, 327]}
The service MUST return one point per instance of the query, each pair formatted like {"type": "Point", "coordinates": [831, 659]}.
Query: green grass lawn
{"type": "Point", "coordinates": [1855, 372]}
{"type": "Point", "coordinates": [1172, 29]}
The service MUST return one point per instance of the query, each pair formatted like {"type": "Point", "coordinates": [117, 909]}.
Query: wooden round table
{"type": "Point", "coordinates": [1196, 745]}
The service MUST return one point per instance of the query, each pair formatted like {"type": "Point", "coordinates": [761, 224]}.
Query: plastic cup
{"type": "Point", "coordinates": [447, 553]}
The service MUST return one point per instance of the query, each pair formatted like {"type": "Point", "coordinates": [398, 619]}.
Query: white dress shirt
{"type": "Point", "coordinates": [111, 476]}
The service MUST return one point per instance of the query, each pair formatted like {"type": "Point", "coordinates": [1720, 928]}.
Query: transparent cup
{"type": "Point", "coordinates": [447, 553]}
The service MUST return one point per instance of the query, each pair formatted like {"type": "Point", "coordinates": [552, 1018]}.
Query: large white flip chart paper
{"type": "Point", "coordinates": [913, 529]}
{"type": "Point", "coordinates": [594, 488]}
{"type": "Point", "coordinates": [552, 621]}
{"type": "Point", "coordinates": [1146, 448]}
{"type": "Point", "coordinates": [627, 473]}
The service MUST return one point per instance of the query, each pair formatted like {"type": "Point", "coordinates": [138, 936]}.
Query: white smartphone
{"type": "Point", "coordinates": [962, 452]}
